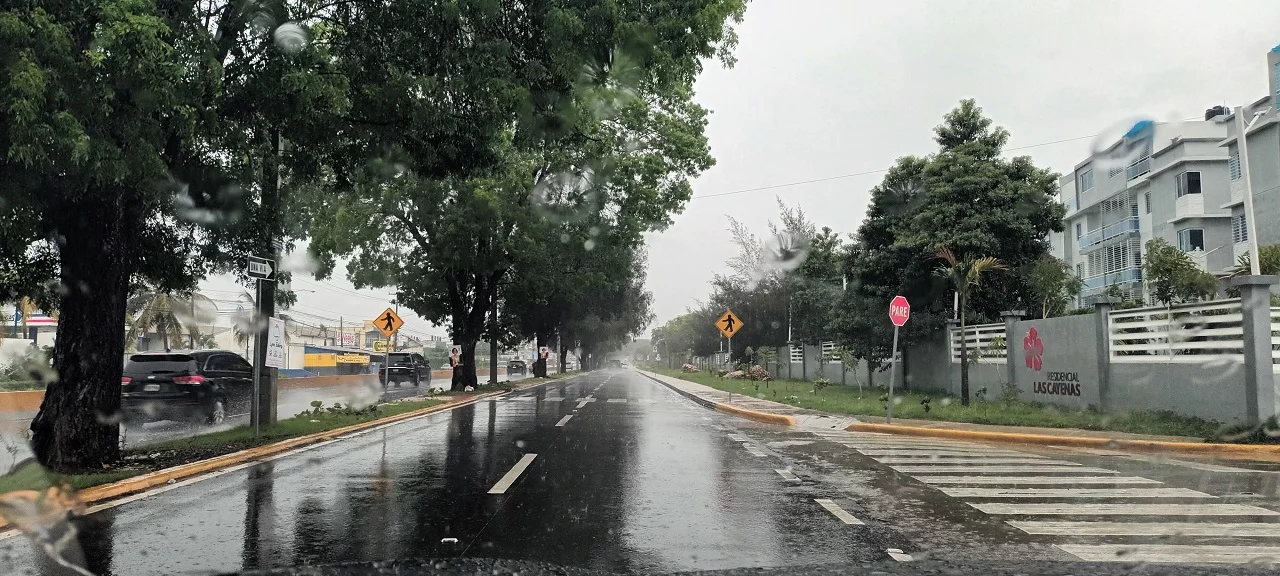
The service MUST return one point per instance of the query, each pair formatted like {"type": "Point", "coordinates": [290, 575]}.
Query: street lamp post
{"type": "Point", "coordinates": [1242, 147]}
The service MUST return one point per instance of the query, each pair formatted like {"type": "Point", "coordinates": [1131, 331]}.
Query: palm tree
{"type": "Point", "coordinates": [965, 273]}
{"type": "Point", "coordinates": [168, 314]}
{"type": "Point", "coordinates": [244, 328]}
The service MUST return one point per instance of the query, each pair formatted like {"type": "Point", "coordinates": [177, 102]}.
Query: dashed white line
{"type": "Point", "coordinates": [510, 477]}
{"type": "Point", "coordinates": [837, 511]}
{"type": "Point", "coordinates": [564, 420]}
{"type": "Point", "coordinates": [754, 451]}
{"type": "Point", "coordinates": [898, 555]}
{"type": "Point", "coordinates": [581, 404]}
{"type": "Point", "coordinates": [737, 438]}
{"type": "Point", "coordinates": [787, 475]}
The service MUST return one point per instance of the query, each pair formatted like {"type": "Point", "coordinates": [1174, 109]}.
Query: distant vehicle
{"type": "Point", "coordinates": [517, 367]}
{"type": "Point", "coordinates": [405, 367]}
{"type": "Point", "coordinates": [199, 385]}
{"type": "Point", "coordinates": [615, 363]}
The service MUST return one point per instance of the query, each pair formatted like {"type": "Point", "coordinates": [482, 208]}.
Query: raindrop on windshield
{"type": "Point", "coordinates": [290, 37]}
{"type": "Point", "coordinates": [1123, 145]}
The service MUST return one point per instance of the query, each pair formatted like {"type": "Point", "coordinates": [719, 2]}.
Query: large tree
{"type": "Point", "coordinates": [596, 121]}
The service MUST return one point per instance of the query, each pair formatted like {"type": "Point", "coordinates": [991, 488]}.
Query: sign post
{"type": "Point", "coordinates": [388, 322]}
{"type": "Point", "coordinates": [260, 269]}
{"type": "Point", "coordinates": [899, 312]}
{"type": "Point", "coordinates": [729, 324]}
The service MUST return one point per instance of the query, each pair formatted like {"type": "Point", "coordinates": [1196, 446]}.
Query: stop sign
{"type": "Point", "coordinates": [899, 310]}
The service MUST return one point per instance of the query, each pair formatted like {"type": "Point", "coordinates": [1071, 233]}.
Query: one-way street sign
{"type": "Point", "coordinates": [261, 268]}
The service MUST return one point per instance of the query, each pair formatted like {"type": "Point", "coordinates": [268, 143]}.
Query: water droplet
{"type": "Point", "coordinates": [594, 231]}
{"type": "Point", "coordinates": [1121, 145]}
{"type": "Point", "coordinates": [520, 444]}
{"type": "Point", "coordinates": [589, 245]}
{"type": "Point", "coordinates": [564, 238]}
{"type": "Point", "coordinates": [290, 37]}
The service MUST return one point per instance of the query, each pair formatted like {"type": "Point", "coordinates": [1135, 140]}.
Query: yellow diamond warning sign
{"type": "Point", "coordinates": [729, 324]}
{"type": "Point", "coordinates": [388, 322]}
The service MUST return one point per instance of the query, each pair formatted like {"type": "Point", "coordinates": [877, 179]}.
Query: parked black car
{"type": "Point", "coordinates": [199, 385]}
{"type": "Point", "coordinates": [615, 363]}
{"type": "Point", "coordinates": [517, 367]}
{"type": "Point", "coordinates": [405, 367]}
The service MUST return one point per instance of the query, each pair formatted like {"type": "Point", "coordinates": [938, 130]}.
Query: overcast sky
{"type": "Point", "coordinates": [825, 88]}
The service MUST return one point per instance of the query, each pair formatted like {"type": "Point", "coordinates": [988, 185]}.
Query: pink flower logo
{"type": "Point", "coordinates": [1034, 349]}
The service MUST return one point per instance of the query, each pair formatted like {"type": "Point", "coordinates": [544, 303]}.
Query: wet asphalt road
{"type": "Point", "coordinates": [621, 474]}
{"type": "Point", "coordinates": [290, 403]}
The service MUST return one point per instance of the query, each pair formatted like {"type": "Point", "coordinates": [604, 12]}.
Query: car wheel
{"type": "Point", "coordinates": [217, 413]}
{"type": "Point", "coordinates": [417, 380]}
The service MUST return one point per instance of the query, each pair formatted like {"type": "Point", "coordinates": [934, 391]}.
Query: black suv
{"type": "Point", "coordinates": [405, 367]}
{"type": "Point", "coordinates": [200, 385]}
{"type": "Point", "coordinates": [517, 366]}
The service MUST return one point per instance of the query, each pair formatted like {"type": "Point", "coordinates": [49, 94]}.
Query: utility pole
{"type": "Point", "coordinates": [267, 395]}
{"type": "Point", "coordinates": [1250, 224]}
{"type": "Point", "coordinates": [493, 340]}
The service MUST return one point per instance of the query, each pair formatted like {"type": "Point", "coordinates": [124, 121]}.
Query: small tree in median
{"type": "Point", "coordinates": [965, 273]}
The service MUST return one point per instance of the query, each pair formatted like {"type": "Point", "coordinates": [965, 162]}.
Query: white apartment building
{"type": "Point", "coordinates": [1174, 189]}
{"type": "Point", "coordinates": [1187, 188]}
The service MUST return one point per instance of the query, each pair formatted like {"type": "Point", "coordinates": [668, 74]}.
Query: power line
{"type": "Point", "coordinates": [880, 171]}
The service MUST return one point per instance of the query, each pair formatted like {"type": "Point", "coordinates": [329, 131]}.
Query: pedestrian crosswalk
{"type": "Point", "coordinates": [1086, 510]}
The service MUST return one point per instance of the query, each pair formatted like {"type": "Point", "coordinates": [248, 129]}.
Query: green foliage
{"type": "Point", "coordinates": [1053, 283]}
{"type": "Point", "coordinates": [1171, 276]}
{"type": "Point", "coordinates": [1269, 265]}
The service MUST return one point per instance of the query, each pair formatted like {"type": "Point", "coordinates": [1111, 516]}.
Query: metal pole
{"type": "Point", "coordinates": [1251, 228]}
{"type": "Point", "coordinates": [729, 357]}
{"type": "Point", "coordinates": [893, 375]}
{"type": "Point", "coordinates": [257, 365]}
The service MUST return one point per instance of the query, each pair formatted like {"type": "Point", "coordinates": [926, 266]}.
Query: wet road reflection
{"type": "Point", "coordinates": [649, 484]}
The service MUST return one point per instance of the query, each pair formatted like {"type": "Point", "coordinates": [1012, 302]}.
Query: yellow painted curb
{"type": "Point", "coordinates": [766, 417]}
{"type": "Point", "coordinates": [1089, 442]}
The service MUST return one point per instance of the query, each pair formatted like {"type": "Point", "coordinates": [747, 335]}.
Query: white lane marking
{"type": "Point", "coordinates": [1165, 553]}
{"type": "Point", "coordinates": [787, 475]}
{"type": "Point", "coordinates": [971, 460]}
{"type": "Point", "coordinates": [1079, 509]}
{"type": "Point", "coordinates": [647, 401]}
{"type": "Point", "coordinates": [581, 404]}
{"type": "Point", "coordinates": [564, 420]}
{"type": "Point", "coordinates": [524, 399]}
{"type": "Point", "coordinates": [969, 468]}
{"type": "Point", "coordinates": [898, 555]}
{"type": "Point", "coordinates": [510, 477]}
{"type": "Point", "coordinates": [837, 511]}
{"type": "Point", "coordinates": [1238, 529]}
{"type": "Point", "coordinates": [753, 450]}
{"type": "Point", "coordinates": [620, 400]}
{"type": "Point", "coordinates": [921, 453]}
{"type": "Point", "coordinates": [737, 438]}
{"type": "Point", "coordinates": [556, 399]}
{"type": "Point", "coordinates": [1036, 480]}
{"type": "Point", "coordinates": [1074, 493]}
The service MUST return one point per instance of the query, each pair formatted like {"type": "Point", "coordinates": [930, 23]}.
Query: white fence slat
{"type": "Point", "coordinates": [1186, 333]}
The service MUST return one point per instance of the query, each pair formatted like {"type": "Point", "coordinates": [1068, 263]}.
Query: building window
{"type": "Point", "coordinates": [1233, 164]}
{"type": "Point", "coordinates": [1146, 199]}
{"type": "Point", "coordinates": [1187, 183]}
{"type": "Point", "coordinates": [1086, 180]}
{"type": "Point", "coordinates": [1141, 165]}
{"type": "Point", "coordinates": [1079, 270]}
{"type": "Point", "coordinates": [1239, 229]}
{"type": "Point", "coordinates": [1079, 230]}
{"type": "Point", "coordinates": [1191, 239]}
{"type": "Point", "coordinates": [1133, 210]}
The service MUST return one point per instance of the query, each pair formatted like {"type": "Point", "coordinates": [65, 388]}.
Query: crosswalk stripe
{"type": "Point", "coordinates": [970, 460]}
{"type": "Point", "coordinates": [616, 400]}
{"type": "Point", "coordinates": [1168, 553]}
{"type": "Point", "coordinates": [556, 399]}
{"type": "Point", "coordinates": [1188, 464]}
{"type": "Point", "coordinates": [525, 398]}
{"type": "Point", "coordinates": [787, 475]}
{"type": "Point", "coordinates": [1238, 529]}
{"type": "Point", "coordinates": [1074, 493]}
{"type": "Point", "coordinates": [944, 452]}
{"type": "Point", "coordinates": [962, 468]}
{"type": "Point", "coordinates": [737, 438]}
{"type": "Point", "coordinates": [753, 450]}
{"type": "Point", "coordinates": [1036, 480]}
{"type": "Point", "coordinates": [1089, 509]}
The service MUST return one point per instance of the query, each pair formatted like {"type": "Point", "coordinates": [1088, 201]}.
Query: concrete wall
{"type": "Point", "coordinates": [1213, 391]}
{"type": "Point", "coordinates": [1068, 370]}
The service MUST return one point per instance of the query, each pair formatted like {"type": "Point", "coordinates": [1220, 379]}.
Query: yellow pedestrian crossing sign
{"type": "Point", "coordinates": [388, 322]}
{"type": "Point", "coordinates": [729, 324]}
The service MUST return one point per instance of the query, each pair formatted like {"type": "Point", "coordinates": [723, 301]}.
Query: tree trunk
{"type": "Point", "coordinates": [540, 364]}
{"type": "Point", "coordinates": [77, 428]}
{"type": "Point", "coordinates": [564, 354]}
{"type": "Point", "coordinates": [964, 360]}
{"type": "Point", "coordinates": [465, 375]}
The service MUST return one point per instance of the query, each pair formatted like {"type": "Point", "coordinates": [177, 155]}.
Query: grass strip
{"type": "Point", "coordinates": [870, 401]}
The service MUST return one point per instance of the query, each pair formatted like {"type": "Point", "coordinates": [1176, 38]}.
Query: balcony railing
{"type": "Point", "coordinates": [1139, 168]}
{"type": "Point", "coordinates": [1100, 235]}
{"type": "Point", "coordinates": [1118, 277]}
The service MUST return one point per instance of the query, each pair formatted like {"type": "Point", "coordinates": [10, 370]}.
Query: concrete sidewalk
{"type": "Point", "coordinates": [809, 419]}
